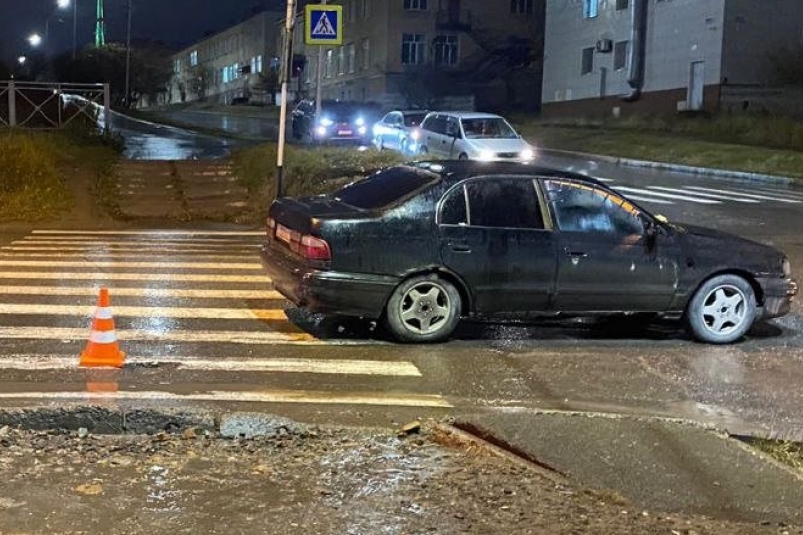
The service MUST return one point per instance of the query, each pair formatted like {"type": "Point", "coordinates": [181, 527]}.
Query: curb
{"type": "Point", "coordinates": [677, 168]}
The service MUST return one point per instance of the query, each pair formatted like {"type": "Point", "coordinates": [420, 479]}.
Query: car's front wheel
{"type": "Point", "coordinates": [423, 309]}
{"type": "Point", "coordinates": [722, 310]}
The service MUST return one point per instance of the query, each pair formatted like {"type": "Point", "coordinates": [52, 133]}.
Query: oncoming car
{"type": "Point", "coordinates": [398, 130]}
{"type": "Point", "coordinates": [337, 121]}
{"type": "Point", "coordinates": [472, 136]}
{"type": "Point", "coordinates": [503, 240]}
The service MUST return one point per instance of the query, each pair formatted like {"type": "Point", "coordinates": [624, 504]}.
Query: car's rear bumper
{"type": "Point", "coordinates": [778, 295]}
{"type": "Point", "coordinates": [328, 292]}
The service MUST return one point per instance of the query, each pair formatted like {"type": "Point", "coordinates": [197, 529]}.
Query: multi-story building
{"type": "Point", "coordinates": [623, 56]}
{"type": "Point", "coordinates": [234, 63]}
{"type": "Point", "coordinates": [411, 52]}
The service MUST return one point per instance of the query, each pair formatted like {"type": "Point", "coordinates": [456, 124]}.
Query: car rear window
{"type": "Point", "coordinates": [385, 187]}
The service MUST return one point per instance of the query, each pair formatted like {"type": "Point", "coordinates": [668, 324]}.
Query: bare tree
{"type": "Point", "coordinates": [199, 80]}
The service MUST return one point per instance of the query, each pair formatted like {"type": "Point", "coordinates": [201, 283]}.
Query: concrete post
{"type": "Point", "coordinates": [12, 104]}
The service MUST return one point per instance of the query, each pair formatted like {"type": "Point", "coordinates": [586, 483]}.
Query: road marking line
{"type": "Point", "coordinates": [142, 292]}
{"type": "Point", "coordinates": [105, 256]}
{"type": "Point", "coordinates": [46, 245]}
{"type": "Point", "coordinates": [77, 239]}
{"type": "Point", "coordinates": [647, 199]}
{"type": "Point", "coordinates": [789, 194]}
{"type": "Point", "coordinates": [278, 396]}
{"type": "Point", "coordinates": [748, 195]}
{"type": "Point", "coordinates": [144, 335]}
{"type": "Point", "coordinates": [150, 277]}
{"type": "Point", "coordinates": [151, 232]}
{"type": "Point", "coordinates": [666, 195]}
{"type": "Point", "coordinates": [707, 195]}
{"type": "Point", "coordinates": [155, 265]}
{"type": "Point", "coordinates": [276, 314]}
{"type": "Point", "coordinates": [307, 365]}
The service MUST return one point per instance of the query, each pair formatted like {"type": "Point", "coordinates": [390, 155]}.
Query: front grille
{"type": "Point", "coordinates": [507, 155]}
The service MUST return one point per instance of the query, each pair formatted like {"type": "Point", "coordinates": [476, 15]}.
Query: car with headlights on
{"type": "Point", "coordinates": [398, 130]}
{"type": "Point", "coordinates": [472, 136]}
{"type": "Point", "coordinates": [502, 240]}
{"type": "Point", "coordinates": [338, 121]}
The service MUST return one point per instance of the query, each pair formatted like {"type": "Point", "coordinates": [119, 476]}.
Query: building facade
{"type": "Point", "coordinates": [406, 53]}
{"type": "Point", "coordinates": [233, 64]}
{"type": "Point", "coordinates": [604, 57]}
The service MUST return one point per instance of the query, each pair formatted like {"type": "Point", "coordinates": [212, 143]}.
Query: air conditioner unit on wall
{"type": "Point", "coordinates": [604, 45]}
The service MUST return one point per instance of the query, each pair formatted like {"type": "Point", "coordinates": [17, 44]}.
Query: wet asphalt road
{"type": "Point", "coordinates": [201, 325]}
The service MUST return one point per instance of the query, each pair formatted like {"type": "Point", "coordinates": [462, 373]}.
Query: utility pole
{"type": "Point", "coordinates": [319, 78]}
{"type": "Point", "coordinates": [128, 57]}
{"type": "Point", "coordinates": [287, 60]}
{"type": "Point", "coordinates": [100, 27]}
{"type": "Point", "coordinates": [74, 29]}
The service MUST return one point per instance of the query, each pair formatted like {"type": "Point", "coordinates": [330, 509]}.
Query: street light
{"type": "Point", "coordinates": [21, 60]}
{"type": "Point", "coordinates": [35, 40]}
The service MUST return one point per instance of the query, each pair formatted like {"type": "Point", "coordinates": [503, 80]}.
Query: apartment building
{"type": "Point", "coordinates": [407, 52]}
{"type": "Point", "coordinates": [229, 65]}
{"type": "Point", "coordinates": [646, 56]}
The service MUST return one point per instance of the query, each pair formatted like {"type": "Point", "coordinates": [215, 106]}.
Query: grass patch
{"type": "Point", "coordinates": [38, 170]}
{"type": "Point", "coordinates": [767, 146]}
{"type": "Point", "coordinates": [307, 171]}
{"type": "Point", "coordinates": [787, 452]}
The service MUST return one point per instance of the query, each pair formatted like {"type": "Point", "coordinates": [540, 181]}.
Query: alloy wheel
{"type": "Point", "coordinates": [425, 308]}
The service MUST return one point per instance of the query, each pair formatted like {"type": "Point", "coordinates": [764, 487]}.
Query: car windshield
{"type": "Point", "coordinates": [413, 119]}
{"type": "Point", "coordinates": [341, 110]}
{"type": "Point", "coordinates": [385, 187]}
{"type": "Point", "coordinates": [492, 127]}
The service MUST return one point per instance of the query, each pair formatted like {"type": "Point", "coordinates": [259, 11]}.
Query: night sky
{"type": "Point", "coordinates": [178, 23]}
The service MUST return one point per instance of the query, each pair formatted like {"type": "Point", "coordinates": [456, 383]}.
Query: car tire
{"type": "Point", "coordinates": [423, 309]}
{"type": "Point", "coordinates": [463, 156]}
{"type": "Point", "coordinates": [722, 310]}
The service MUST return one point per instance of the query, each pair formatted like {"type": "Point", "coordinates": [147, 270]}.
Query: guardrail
{"type": "Point", "coordinates": [45, 105]}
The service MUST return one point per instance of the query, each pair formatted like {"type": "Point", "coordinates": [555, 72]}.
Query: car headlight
{"type": "Point", "coordinates": [326, 121]}
{"type": "Point", "coordinates": [787, 267]}
{"type": "Point", "coordinates": [321, 130]}
{"type": "Point", "coordinates": [415, 134]}
{"type": "Point", "coordinates": [527, 154]}
{"type": "Point", "coordinates": [486, 155]}
{"type": "Point", "coordinates": [359, 121]}
{"type": "Point", "coordinates": [362, 130]}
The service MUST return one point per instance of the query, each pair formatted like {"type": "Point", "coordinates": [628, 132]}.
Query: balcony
{"type": "Point", "coordinates": [454, 20]}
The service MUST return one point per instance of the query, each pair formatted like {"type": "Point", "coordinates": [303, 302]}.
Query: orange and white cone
{"type": "Point", "coordinates": [102, 350]}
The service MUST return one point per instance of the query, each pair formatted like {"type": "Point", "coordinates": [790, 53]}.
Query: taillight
{"type": "Point", "coordinates": [313, 248]}
{"type": "Point", "coordinates": [271, 226]}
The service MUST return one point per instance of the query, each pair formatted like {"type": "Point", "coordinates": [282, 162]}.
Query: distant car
{"type": "Point", "coordinates": [398, 130]}
{"type": "Point", "coordinates": [472, 136]}
{"type": "Point", "coordinates": [509, 240]}
{"type": "Point", "coordinates": [338, 121]}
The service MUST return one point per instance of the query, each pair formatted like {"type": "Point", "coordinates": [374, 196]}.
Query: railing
{"type": "Point", "coordinates": [51, 105]}
{"type": "Point", "coordinates": [453, 19]}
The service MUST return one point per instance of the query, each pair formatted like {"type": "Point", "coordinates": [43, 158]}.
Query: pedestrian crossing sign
{"type": "Point", "coordinates": [323, 25]}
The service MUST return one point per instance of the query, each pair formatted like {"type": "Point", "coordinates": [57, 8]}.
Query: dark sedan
{"type": "Point", "coordinates": [422, 245]}
{"type": "Point", "coordinates": [337, 121]}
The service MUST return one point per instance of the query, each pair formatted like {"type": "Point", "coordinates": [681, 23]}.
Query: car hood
{"type": "Point", "coordinates": [729, 249]}
{"type": "Point", "coordinates": [499, 145]}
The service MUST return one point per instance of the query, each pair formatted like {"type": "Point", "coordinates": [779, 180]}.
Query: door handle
{"type": "Point", "coordinates": [460, 247]}
{"type": "Point", "coordinates": [575, 254]}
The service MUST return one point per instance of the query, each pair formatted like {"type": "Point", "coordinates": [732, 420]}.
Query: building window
{"type": "Point", "coordinates": [256, 64]}
{"type": "Point", "coordinates": [177, 66]}
{"type": "Point", "coordinates": [341, 61]}
{"type": "Point", "coordinates": [351, 55]}
{"type": "Point", "coordinates": [193, 58]}
{"type": "Point", "coordinates": [445, 47]}
{"type": "Point", "coordinates": [521, 7]}
{"type": "Point", "coordinates": [366, 54]}
{"type": "Point", "coordinates": [588, 60]}
{"type": "Point", "coordinates": [413, 46]}
{"type": "Point", "coordinates": [415, 5]}
{"type": "Point", "coordinates": [620, 55]}
{"type": "Point", "coordinates": [622, 5]}
{"type": "Point", "coordinates": [590, 8]}
{"type": "Point", "coordinates": [327, 66]}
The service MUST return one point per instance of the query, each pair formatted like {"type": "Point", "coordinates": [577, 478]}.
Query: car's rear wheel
{"type": "Point", "coordinates": [423, 309]}
{"type": "Point", "coordinates": [722, 310]}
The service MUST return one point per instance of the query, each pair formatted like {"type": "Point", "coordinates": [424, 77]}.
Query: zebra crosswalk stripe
{"type": "Point", "coordinates": [748, 195]}
{"type": "Point", "coordinates": [688, 198]}
{"type": "Point", "coordinates": [707, 195]}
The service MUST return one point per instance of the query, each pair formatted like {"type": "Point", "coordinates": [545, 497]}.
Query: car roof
{"type": "Point", "coordinates": [453, 171]}
{"type": "Point", "coordinates": [468, 114]}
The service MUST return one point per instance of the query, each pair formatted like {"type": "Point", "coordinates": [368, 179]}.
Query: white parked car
{"type": "Point", "coordinates": [398, 130]}
{"type": "Point", "coordinates": [472, 136]}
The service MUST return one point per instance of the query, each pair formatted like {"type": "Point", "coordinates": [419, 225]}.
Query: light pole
{"type": "Point", "coordinates": [128, 57]}
{"type": "Point", "coordinates": [287, 59]}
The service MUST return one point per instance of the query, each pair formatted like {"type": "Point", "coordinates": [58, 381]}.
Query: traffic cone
{"type": "Point", "coordinates": [102, 349]}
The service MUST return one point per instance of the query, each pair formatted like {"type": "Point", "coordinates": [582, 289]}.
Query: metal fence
{"type": "Point", "coordinates": [51, 105]}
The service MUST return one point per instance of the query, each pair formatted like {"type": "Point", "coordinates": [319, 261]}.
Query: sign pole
{"type": "Point", "coordinates": [289, 24]}
{"type": "Point", "coordinates": [319, 77]}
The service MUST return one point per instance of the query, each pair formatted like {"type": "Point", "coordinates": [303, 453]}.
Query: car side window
{"type": "Point", "coordinates": [504, 202]}
{"type": "Point", "coordinates": [453, 208]}
{"type": "Point", "coordinates": [436, 124]}
{"type": "Point", "coordinates": [579, 207]}
{"type": "Point", "coordinates": [452, 127]}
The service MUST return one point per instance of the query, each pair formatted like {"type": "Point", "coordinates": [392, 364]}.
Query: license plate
{"type": "Point", "coordinates": [344, 132]}
{"type": "Point", "coordinates": [282, 233]}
